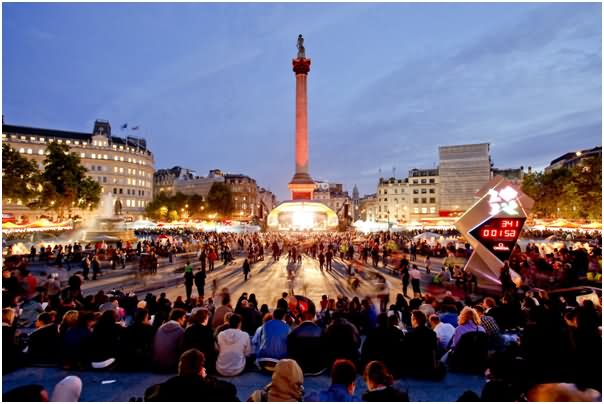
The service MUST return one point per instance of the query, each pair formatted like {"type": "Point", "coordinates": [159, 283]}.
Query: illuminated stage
{"type": "Point", "coordinates": [301, 216]}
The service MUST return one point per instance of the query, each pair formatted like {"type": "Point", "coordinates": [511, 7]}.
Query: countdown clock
{"type": "Point", "coordinates": [499, 235]}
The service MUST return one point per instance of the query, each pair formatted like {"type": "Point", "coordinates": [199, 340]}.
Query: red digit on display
{"type": "Point", "coordinates": [485, 232]}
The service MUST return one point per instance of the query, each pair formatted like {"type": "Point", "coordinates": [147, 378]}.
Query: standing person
{"type": "Point", "coordinates": [246, 269]}
{"type": "Point", "coordinates": [200, 281]}
{"type": "Point", "coordinates": [202, 259]}
{"type": "Point", "coordinates": [212, 256]}
{"type": "Point", "coordinates": [428, 263]}
{"type": "Point", "coordinates": [405, 279]}
{"type": "Point", "coordinates": [189, 278]}
{"type": "Point", "coordinates": [413, 251]}
{"type": "Point", "coordinates": [86, 266]}
{"type": "Point", "coordinates": [96, 267]}
{"type": "Point", "coordinates": [415, 276]}
{"type": "Point", "coordinates": [328, 258]}
{"type": "Point", "coordinates": [321, 260]}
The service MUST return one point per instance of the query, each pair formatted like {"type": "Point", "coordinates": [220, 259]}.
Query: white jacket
{"type": "Point", "coordinates": [233, 346]}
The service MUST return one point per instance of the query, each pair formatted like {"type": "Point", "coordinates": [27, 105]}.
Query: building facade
{"type": "Point", "coordinates": [463, 170]}
{"type": "Point", "coordinates": [572, 159]}
{"type": "Point", "coordinates": [392, 200]}
{"type": "Point", "coordinates": [123, 167]}
{"type": "Point", "coordinates": [368, 207]}
{"type": "Point", "coordinates": [334, 197]}
{"type": "Point", "coordinates": [245, 196]}
{"type": "Point", "coordinates": [423, 194]}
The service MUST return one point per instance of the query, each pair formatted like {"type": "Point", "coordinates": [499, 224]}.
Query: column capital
{"type": "Point", "coordinates": [301, 65]}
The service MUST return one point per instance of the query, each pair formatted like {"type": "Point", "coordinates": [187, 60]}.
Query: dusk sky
{"type": "Point", "coordinates": [211, 85]}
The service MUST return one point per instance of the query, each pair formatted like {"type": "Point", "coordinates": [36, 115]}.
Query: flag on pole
{"type": "Point", "coordinates": [135, 128]}
{"type": "Point", "coordinates": [124, 126]}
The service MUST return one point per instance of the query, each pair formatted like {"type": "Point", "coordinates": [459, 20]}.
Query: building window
{"type": "Point", "coordinates": [41, 151]}
{"type": "Point", "coordinates": [121, 191]}
{"type": "Point", "coordinates": [82, 155]}
{"type": "Point", "coordinates": [432, 209]}
{"type": "Point", "coordinates": [432, 180]}
{"type": "Point", "coordinates": [91, 168]}
{"type": "Point", "coordinates": [432, 200]}
{"type": "Point", "coordinates": [415, 210]}
{"type": "Point", "coordinates": [424, 200]}
{"type": "Point", "coordinates": [29, 151]}
{"type": "Point", "coordinates": [415, 182]}
{"type": "Point", "coordinates": [432, 190]}
{"type": "Point", "coordinates": [424, 210]}
{"type": "Point", "coordinates": [416, 191]}
{"type": "Point", "coordinates": [114, 191]}
{"type": "Point", "coordinates": [98, 168]}
{"type": "Point", "coordinates": [423, 180]}
{"type": "Point", "coordinates": [415, 200]}
{"type": "Point", "coordinates": [424, 191]}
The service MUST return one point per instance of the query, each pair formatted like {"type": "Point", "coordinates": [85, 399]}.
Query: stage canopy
{"type": "Point", "coordinates": [302, 216]}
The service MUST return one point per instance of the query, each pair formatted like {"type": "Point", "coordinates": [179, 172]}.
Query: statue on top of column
{"type": "Point", "coordinates": [300, 45]}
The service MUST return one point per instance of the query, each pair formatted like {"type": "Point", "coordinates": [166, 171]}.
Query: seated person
{"type": "Point", "coordinates": [167, 344]}
{"type": "Point", "coordinates": [286, 385]}
{"type": "Point", "coordinates": [306, 345]}
{"type": "Point", "coordinates": [342, 339]}
{"type": "Point", "coordinates": [271, 339]}
{"type": "Point", "coordinates": [420, 349]}
{"type": "Point", "coordinates": [343, 383]}
{"type": "Point", "coordinates": [192, 383]}
{"type": "Point", "coordinates": [199, 336]}
{"type": "Point", "coordinates": [233, 347]}
{"type": "Point", "coordinates": [379, 384]}
{"type": "Point", "coordinates": [444, 333]}
{"type": "Point", "coordinates": [469, 321]}
{"type": "Point", "coordinates": [43, 344]}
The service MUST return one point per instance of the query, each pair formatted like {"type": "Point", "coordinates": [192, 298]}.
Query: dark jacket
{"type": "Point", "coordinates": [10, 350]}
{"type": "Point", "coordinates": [76, 348]}
{"type": "Point", "coordinates": [335, 393]}
{"type": "Point", "coordinates": [389, 394]}
{"type": "Point", "coordinates": [138, 346]}
{"type": "Point", "coordinates": [192, 388]}
{"type": "Point", "coordinates": [342, 340]}
{"type": "Point", "coordinates": [107, 342]}
{"type": "Point", "coordinates": [200, 337]}
{"type": "Point", "coordinates": [385, 344]}
{"type": "Point", "coordinates": [306, 345]}
{"type": "Point", "coordinates": [43, 345]}
{"type": "Point", "coordinates": [420, 352]}
{"type": "Point", "coordinates": [200, 278]}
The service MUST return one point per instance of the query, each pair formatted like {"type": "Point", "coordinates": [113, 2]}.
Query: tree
{"type": "Point", "coordinates": [20, 177]}
{"type": "Point", "coordinates": [65, 184]}
{"type": "Point", "coordinates": [220, 199]}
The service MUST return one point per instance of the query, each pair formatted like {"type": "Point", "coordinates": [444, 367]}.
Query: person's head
{"type": "Point", "coordinates": [284, 295]}
{"type": "Point", "coordinates": [376, 375]}
{"type": "Point", "coordinates": [418, 318]}
{"type": "Point", "coordinates": [141, 316]}
{"type": "Point", "coordinates": [192, 363]}
{"type": "Point", "coordinates": [468, 314]}
{"type": "Point", "coordinates": [244, 304]}
{"type": "Point", "coordinates": [479, 310]}
{"type": "Point", "coordinates": [287, 381]}
{"type": "Point", "coordinates": [235, 321]}
{"type": "Point", "coordinates": [200, 316]}
{"type": "Point", "coordinates": [178, 315]}
{"type": "Point", "coordinates": [434, 320]}
{"type": "Point", "coordinates": [489, 302]}
{"type": "Point", "coordinates": [308, 316]}
{"type": "Point", "coordinates": [43, 319]}
{"type": "Point", "coordinates": [70, 319]}
{"type": "Point", "coordinates": [344, 372]}
{"type": "Point", "coordinates": [67, 390]}
{"type": "Point", "coordinates": [226, 299]}
{"type": "Point", "coordinates": [279, 314]}
{"type": "Point", "coordinates": [27, 393]}
{"type": "Point", "coordinates": [382, 320]}
{"type": "Point", "coordinates": [8, 315]}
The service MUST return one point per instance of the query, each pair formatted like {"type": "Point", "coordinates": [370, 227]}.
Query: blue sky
{"type": "Point", "coordinates": [211, 85]}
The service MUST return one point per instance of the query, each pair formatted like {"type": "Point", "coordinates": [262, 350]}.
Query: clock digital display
{"type": "Point", "coordinates": [499, 235]}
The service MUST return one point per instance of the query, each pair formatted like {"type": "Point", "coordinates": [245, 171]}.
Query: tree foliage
{"type": "Point", "coordinates": [572, 193]}
{"type": "Point", "coordinates": [220, 199]}
{"type": "Point", "coordinates": [20, 177]}
{"type": "Point", "coordinates": [164, 206]}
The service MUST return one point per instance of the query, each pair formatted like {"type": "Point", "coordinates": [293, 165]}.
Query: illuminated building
{"type": "Point", "coordinates": [571, 159]}
{"type": "Point", "coordinates": [122, 166]}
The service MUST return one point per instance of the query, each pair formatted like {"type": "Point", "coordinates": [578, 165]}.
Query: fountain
{"type": "Point", "coordinates": [105, 225]}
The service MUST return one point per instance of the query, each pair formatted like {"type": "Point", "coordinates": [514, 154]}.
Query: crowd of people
{"type": "Point", "coordinates": [524, 339]}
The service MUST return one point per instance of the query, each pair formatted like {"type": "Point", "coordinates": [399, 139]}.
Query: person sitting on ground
{"type": "Point", "coordinates": [10, 349]}
{"type": "Point", "coordinates": [306, 345]}
{"type": "Point", "coordinates": [139, 341]}
{"type": "Point", "coordinates": [199, 336]}
{"type": "Point", "coordinates": [286, 385]}
{"type": "Point", "coordinates": [343, 383]}
{"type": "Point", "coordinates": [342, 339]}
{"type": "Point", "coordinates": [448, 314]}
{"type": "Point", "coordinates": [271, 340]}
{"type": "Point", "coordinates": [221, 311]}
{"type": "Point", "coordinates": [167, 344]}
{"type": "Point", "coordinates": [490, 327]}
{"type": "Point", "coordinates": [233, 348]}
{"type": "Point", "coordinates": [420, 349]}
{"type": "Point", "coordinates": [444, 333]}
{"type": "Point", "coordinates": [107, 340]}
{"type": "Point", "coordinates": [44, 341]}
{"type": "Point", "coordinates": [224, 325]}
{"type": "Point", "coordinates": [384, 344]}
{"type": "Point", "coordinates": [192, 383]}
{"type": "Point", "coordinates": [379, 384]}
{"type": "Point", "coordinates": [469, 321]}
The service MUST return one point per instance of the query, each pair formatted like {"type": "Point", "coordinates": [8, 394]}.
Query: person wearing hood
{"type": "Point", "coordinates": [286, 385]}
{"type": "Point", "coordinates": [67, 390]}
{"type": "Point", "coordinates": [343, 383]}
{"type": "Point", "coordinates": [233, 348]}
{"type": "Point", "coordinates": [167, 343]}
